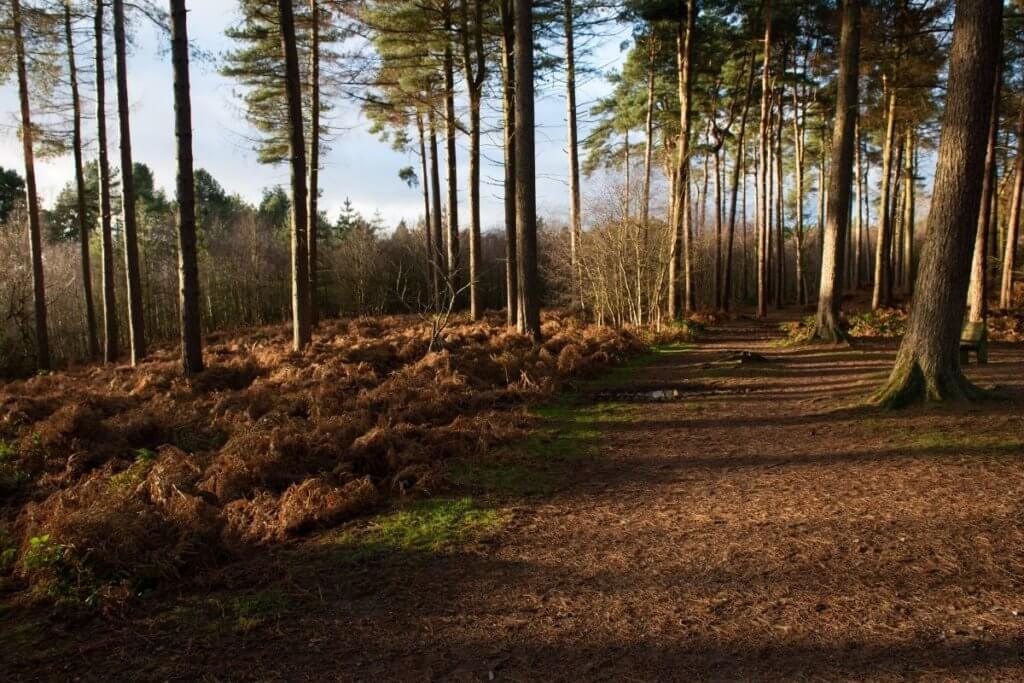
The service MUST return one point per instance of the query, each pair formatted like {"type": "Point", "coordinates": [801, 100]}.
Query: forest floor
{"type": "Point", "coordinates": [697, 515]}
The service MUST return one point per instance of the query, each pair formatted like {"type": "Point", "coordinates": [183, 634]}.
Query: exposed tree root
{"type": "Point", "coordinates": [829, 332]}
{"type": "Point", "coordinates": [910, 384]}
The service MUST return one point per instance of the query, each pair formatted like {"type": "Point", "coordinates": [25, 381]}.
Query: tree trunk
{"type": "Point", "coordinates": [978, 290]}
{"type": "Point", "coordinates": [762, 167]}
{"type": "Point", "coordinates": [452, 162]}
{"type": "Point", "coordinates": [827, 326]}
{"type": "Point", "coordinates": [136, 324]}
{"type": "Point", "coordinates": [645, 198]}
{"type": "Point", "coordinates": [509, 110]}
{"type": "Point", "coordinates": [858, 242]}
{"type": "Point", "coordinates": [798, 172]}
{"type": "Point", "coordinates": [474, 65]}
{"type": "Point", "coordinates": [438, 256]}
{"type": "Point", "coordinates": [909, 213]}
{"type": "Point", "coordinates": [575, 220]}
{"type": "Point", "coordinates": [110, 325]}
{"type": "Point", "coordinates": [718, 227]}
{"type": "Point", "coordinates": [684, 67]}
{"type": "Point", "coordinates": [428, 241]}
{"type": "Point", "coordinates": [928, 363]}
{"type": "Point", "coordinates": [313, 210]}
{"type": "Point", "coordinates": [1013, 222]}
{"type": "Point", "coordinates": [42, 338]}
{"type": "Point", "coordinates": [526, 181]}
{"type": "Point", "coordinates": [780, 213]}
{"type": "Point", "coordinates": [301, 329]}
{"type": "Point", "coordinates": [83, 224]}
{"type": "Point", "coordinates": [188, 267]}
{"type": "Point", "coordinates": [882, 295]}
{"type": "Point", "coordinates": [726, 300]}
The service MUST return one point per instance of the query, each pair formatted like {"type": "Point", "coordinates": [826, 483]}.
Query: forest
{"type": "Point", "coordinates": [742, 402]}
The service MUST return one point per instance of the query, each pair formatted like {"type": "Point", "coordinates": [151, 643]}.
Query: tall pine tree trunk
{"type": "Point", "coordinates": [682, 220]}
{"type": "Point", "coordinates": [42, 338]}
{"type": "Point", "coordinates": [526, 180]}
{"type": "Point", "coordinates": [313, 210]}
{"type": "Point", "coordinates": [1013, 222]}
{"type": "Point", "coordinates": [83, 223]}
{"type": "Point", "coordinates": [474, 64]}
{"type": "Point", "coordinates": [928, 363]}
{"type": "Point", "coordinates": [301, 329]}
{"type": "Point", "coordinates": [509, 125]}
{"type": "Point", "coordinates": [438, 260]}
{"type": "Point", "coordinates": [188, 266]}
{"type": "Point", "coordinates": [798, 172]}
{"type": "Point", "coordinates": [450, 130]}
{"type": "Point", "coordinates": [428, 238]}
{"type": "Point", "coordinates": [737, 174]}
{"type": "Point", "coordinates": [136, 323]}
{"type": "Point", "coordinates": [645, 198]}
{"type": "Point", "coordinates": [780, 213]}
{"type": "Point", "coordinates": [978, 290]}
{"type": "Point", "coordinates": [110, 324]}
{"type": "Point", "coordinates": [882, 295]}
{"type": "Point", "coordinates": [909, 213]}
{"type": "Point", "coordinates": [858, 241]}
{"type": "Point", "coordinates": [763, 205]}
{"type": "Point", "coordinates": [827, 326]}
{"type": "Point", "coordinates": [575, 220]}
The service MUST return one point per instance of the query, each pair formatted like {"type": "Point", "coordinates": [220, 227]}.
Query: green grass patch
{"type": "Point", "coordinates": [136, 472]}
{"type": "Point", "coordinates": [434, 525]}
{"type": "Point", "coordinates": [508, 476]}
{"type": "Point", "coordinates": [944, 441]}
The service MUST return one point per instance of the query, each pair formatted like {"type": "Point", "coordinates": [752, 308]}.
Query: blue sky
{"type": "Point", "coordinates": [358, 166]}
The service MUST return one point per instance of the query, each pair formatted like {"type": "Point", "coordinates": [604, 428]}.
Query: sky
{"type": "Point", "coordinates": [359, 166]}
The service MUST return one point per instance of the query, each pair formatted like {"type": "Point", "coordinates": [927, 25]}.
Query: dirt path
{"type": "Point", "coordinates": [753, 528]}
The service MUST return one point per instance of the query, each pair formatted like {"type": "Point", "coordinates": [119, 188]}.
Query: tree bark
{"type": "Point", "coordinates": [882, 295]}
{"type": "Point", "coordinates": [110, 324]}
{"type": "Point", "coordinates": [827, 326]}
{"type": "Point", "coordinates": [301, 328]}
{"type": "Point", "coordinates": [188, 266]}
{"type": "Point", "coordinates": [798, 172]}
{"type": "Point", "coordinates": [685, 68]}
{"type": "Point", "coordinates": [83, 223]}
{"type": "Point", "coordinates": [780, 213]}
{"type": "Point", "coordinates": [645, 198]}
{"type": "Point", "coordinates": [858, 241]}
{"type": "Point", "coordinates": [474, 65]}
{"type": "Point", "coordinates": [978, 290]}
{"type": "Point", "coordinates": [726, 301]}
{"type": "Point", "coordinates": [928, 363]}
{"type": "Point", "coordinates": [136, 323]}
{"type": "Point", "coordinates": [762, 168]}
{"type": "Point", "coordinates": [313, 210]}
{"type": "Point", "coordinates": [909, 212]}
{"type": "Point", "coordinates": [575, 219]}
{"type": "Point", "coordinates": [42, 338]}
{"type": "Point", "coordinates": [508, 108]}
{"type": "Point", "coordinates": [1013, 222]}
{"type": "Point", "coordinates": [450, 128]}
{"type": "Point", "coordinates": [438, 259]}
{"type": "Point", "coordinates": [526, 181]}
{"type": "Point", "coordinates": [428, 238]}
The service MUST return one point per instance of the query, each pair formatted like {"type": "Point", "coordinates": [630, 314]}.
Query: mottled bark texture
{"type": "Point", "coordinates": [928, 363]}
{"type": "Point", "coordinates": [827, 327]}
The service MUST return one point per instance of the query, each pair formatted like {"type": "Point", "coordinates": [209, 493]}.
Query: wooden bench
{"type": "Point", "coordinates": [974, 338]}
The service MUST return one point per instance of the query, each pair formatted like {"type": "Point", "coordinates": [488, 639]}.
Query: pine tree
{"type": "Point", "coordinates": [188, 268]}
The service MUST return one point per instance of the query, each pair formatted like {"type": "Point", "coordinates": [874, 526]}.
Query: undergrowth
{"type": "Point", "coordinates": [122, 479]}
